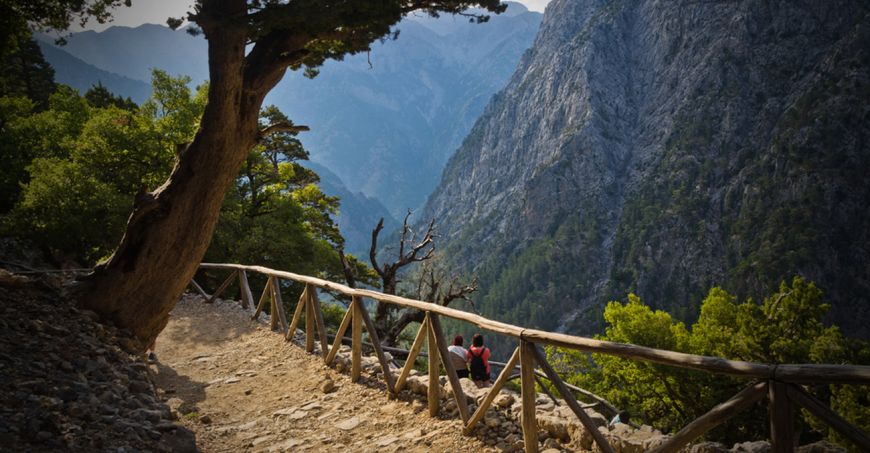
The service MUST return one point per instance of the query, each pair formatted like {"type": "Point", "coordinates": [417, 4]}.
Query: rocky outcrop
{"type": "Point", "coordinates": [664, 148]}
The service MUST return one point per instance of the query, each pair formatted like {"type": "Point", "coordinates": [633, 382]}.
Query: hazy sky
{"type": "Point", "coordinates": [156, 12]}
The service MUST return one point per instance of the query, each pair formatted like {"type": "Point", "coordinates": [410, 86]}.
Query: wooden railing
{"type": "Point", "coordinates": [779, 383]}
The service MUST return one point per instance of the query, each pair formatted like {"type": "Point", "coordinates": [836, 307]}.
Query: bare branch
{"type": "Point", "coordinates": [405, 230]}
{"type": "Point", "coordinates": [345, 266]}
{"type": "Point", "coordinates": [427, 241]}
{"type": "Point", "coordinates": [461, 292]}
{"type": "Point", "coordinates": [373, 251]}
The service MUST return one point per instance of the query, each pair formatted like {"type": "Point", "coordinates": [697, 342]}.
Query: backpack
{"type": "Point", "coordinates": [478, 368]}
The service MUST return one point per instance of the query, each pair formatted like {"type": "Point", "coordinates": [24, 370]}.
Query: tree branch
{"type": "Point", "coordinates": [345, 267]}
{"type": "Point", "coordinates": [373, 250]}
{"type": "Point", "coordinates": [459, 293]}
{"type": "Point", "coordinates": [282, 127]}
{"type": "Point", "coordinates": [428, 238]}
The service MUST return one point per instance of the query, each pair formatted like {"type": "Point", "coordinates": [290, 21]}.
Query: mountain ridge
{"type": "Point", "coordinates": [82, 76]}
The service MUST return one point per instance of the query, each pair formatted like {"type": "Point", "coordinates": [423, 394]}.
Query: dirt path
{"type": "Point", "coordinates": [241, 387]}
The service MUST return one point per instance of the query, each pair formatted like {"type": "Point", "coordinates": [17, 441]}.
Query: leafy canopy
{"type": "Point", "coordinates": [81, 162]}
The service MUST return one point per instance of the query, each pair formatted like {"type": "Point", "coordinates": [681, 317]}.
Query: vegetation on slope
{"type": "Point", "coordinates": [786, 327]}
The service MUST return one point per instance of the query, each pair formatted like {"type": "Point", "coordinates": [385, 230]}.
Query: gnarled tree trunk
{"type": "Point", "coordinates": [170, 229]}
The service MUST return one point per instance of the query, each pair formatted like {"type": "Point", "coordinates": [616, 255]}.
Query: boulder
{"type": "Point", "coordinates": [327, 386]}
{"type": "Point", "coordinates": [759, 446]}
{"type": "Point", "coordinates": [472, 392]}
{"type": "Point", "coordinates": [9, 279]}
{"type": "Point", "coordinates": [504, 400]}
{"type": "Point", "coordinates": [557, 427]}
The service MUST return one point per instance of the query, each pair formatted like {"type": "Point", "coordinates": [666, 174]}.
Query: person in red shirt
{"type": "Point", "coordinates": [478, 357]}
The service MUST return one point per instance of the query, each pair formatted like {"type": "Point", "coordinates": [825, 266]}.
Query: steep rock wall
{"type": "Point", "coordinates": [664, 148]}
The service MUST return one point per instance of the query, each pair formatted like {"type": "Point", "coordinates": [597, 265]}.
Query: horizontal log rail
{"type": "Point", "coordinates": [776, 381]}
{"type": "Point", "coordinates": [797, 373]}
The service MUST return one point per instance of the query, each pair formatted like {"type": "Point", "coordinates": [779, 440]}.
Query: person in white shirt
{"type": "Point", "coordinates": [459, 357]}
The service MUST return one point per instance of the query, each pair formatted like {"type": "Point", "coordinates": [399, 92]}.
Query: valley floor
{"type": "Point", "coordinates": [241, 387]}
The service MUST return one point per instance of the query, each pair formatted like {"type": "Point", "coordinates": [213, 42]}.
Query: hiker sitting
{"type": "Point", "coordinates": [459, 357]}
{"type": "Point", "coordinates": [478, 358]}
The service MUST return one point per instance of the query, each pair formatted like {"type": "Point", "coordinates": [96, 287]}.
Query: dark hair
{"type": "Point", "coordinates": [477, 340]}
{"type": "Point", "coordinates": [457, 340]}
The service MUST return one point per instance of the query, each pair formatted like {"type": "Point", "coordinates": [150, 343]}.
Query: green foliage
{"type": "Point", "coordinates": [26, 73]}
{"type": "Point", "coordinates": [785, 328]}
{"type": "Point", "coordinates": [83, 166]}
{"type": "Point", "coordinates": [173, 109]}
{"type": "Point", "coordinates": [332, 314]}
{"type": "Point", "coordinates": [331, 29]}
{"type": "Point", "coordinates": [81, 162]}
{"type": "Point", "coordinates": [69, 210]}
{"type": "Point", "coordinates": [28, 134]}
{"type": "Point", "coordinates": [100, 97]}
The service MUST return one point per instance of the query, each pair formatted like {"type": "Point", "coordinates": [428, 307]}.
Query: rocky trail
{"type": "Point", "coordinates": [241, 387]}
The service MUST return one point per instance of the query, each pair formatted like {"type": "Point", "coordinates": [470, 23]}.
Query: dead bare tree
{"type": "Point", "coordinates": [430, 288]}
{"type": "Point", "coordinates": [388, 322]}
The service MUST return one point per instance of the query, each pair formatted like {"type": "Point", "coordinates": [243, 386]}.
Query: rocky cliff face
{"type": "Point", "coordinates": [664, 148]}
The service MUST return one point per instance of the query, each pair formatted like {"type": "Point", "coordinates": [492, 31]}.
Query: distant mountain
{"type": "Point", "coordinates": [663, 148]}
{"type": "Point", "coordinates": [386, 128]}
{"type": "Point", "coordinates": [74, 72]}
{"type": "Point", "coordinates": [134, 51]}
{"type": "Point", "coordinates": [387, 122]}
{"type": "Point", "coordinates": [358, 214]}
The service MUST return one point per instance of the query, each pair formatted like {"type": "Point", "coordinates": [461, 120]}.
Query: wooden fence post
{"type": "Point", "coordinates": [263, 297]}
{"type": "Point", "coordinates": [781, 421]}
{"type": "Point", "coordinates": [318, 320]}
{"type": "Point", "coordinates": [279, 304]}
{"type": "Point", "coordinates": [310, 323]}
{"type": "Point", "coordinates": [422, 334]}
{"type": "Point", "coordinates": [274, 317]}
{"type": "Point", "coordinates": [452, 377]}
{"type": "Point", "coordinates": [529, 395]}
{"type": "Point", "coordinates": [434, 395]}
{"type": "Point", "coordinates": [571, 401]}
{"type": "Point", "coordinates": [245, 289]}
{"type": "Point", "coordinates": [336, 344]}
{"type": "Point", "coordinates": [221, 288]}
{"type": "Point", "coordinates": [297, 314]}
{"type": "Point", "coordinates": [356, 342]}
